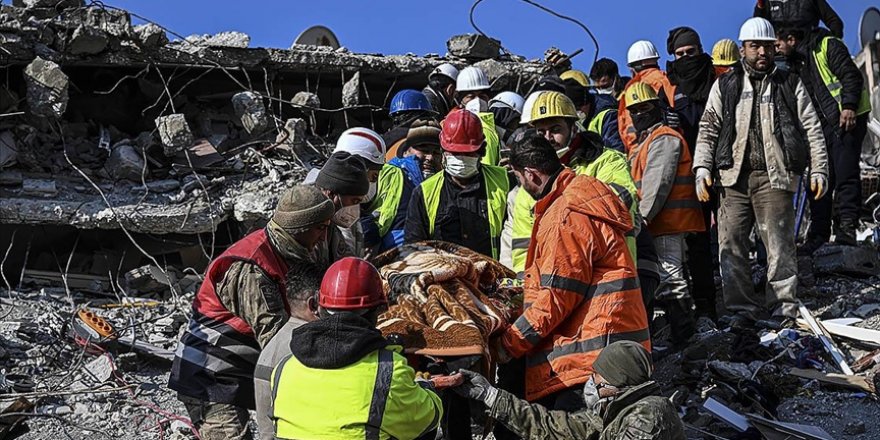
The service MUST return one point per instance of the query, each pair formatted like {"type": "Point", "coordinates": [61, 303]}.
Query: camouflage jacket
{"type": "Point", "coordinates": [638, 413]}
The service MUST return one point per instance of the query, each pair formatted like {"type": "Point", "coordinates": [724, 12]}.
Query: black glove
{"type": "Point", "coordinates": [476, 387]}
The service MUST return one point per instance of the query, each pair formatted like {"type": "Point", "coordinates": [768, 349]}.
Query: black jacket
{"type": "Point", "coordinates": [335, 342]}
{"type": "Point", "coordinates": [804, 14]}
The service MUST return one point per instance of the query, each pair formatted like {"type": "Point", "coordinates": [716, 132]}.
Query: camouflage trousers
{"type": "Point", "coordinates": [217, 421]}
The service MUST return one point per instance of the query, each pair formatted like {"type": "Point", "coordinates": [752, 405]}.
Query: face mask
{"type": "Point", "coordinates": [463, 167]}
{"type": "Point", "coordinates": [645, 120]}
{"type": "Point", "coordinates": [608, 91]}
{"type": "Point", "coordinates": [346, 217]}
{"type": "Point", "coordinates": [371, 193]}
{"type": "Point", "coordinates": [478, 105]}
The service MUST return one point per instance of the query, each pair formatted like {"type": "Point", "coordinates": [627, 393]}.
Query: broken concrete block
{"type": "Point", "coordinates": [473, 46]}
{"type": "Point", "coordinates": [306, 99]}
{"type": "Point", "coordinates": [46, 88]}
{"type": "Point", "coordinates": [126, 163]}
{"type": "Point", "coordinates": [87, 40]}
{"type": "Point", "coordinates": [59, 4]}
{"type": "Point", "coordinates": [39, 187]}
{"type": "Point", "coordinates": [235, 39]}
{"type": "Point", "coordinates": [163, 186]}
{"type": "Point", "coordinates": [351, 91]}
{"type": "Point", "coordinates": [175, 133]}
{"type": "Point", "coordinates": [250, 111]}
{"type": "Point", "coordinates": [150, 35]}
{"type": "Point", "coordinates": [499, 76]}
{"type": "Point", "coordinates": [851, 260]}
{"type": "Point", "coordinates": [8, 149]}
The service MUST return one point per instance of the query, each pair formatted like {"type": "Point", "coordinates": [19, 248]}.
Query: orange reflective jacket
{"type": "Point", "coordinates": [681, 212]}
{"type": "Point", "coordinates": [655, 78]}
{"type": "Point", "coordinates": [581, 286]}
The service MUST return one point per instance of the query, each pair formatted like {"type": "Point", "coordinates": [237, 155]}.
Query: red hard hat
{"type": "Point", "coordinates": [351, 284]}
{"type": "Point", "coordinates": [462, 132]}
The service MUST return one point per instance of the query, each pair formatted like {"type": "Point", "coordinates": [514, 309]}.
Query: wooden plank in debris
{"type": "Point", "coordinates": [843, 328]}
{"type": "Point", "coordinates": [825, 337]}
{"type": "Point", "coordinates": [20, 405]}
{"type": "Point", "coordinates": [843, 380]}
{"type": "Point", "coordinates": [75, 281]}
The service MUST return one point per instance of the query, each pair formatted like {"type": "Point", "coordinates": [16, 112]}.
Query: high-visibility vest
{"type": "Point", "coordinates": [598, 122]}
{"type": "Point", "coordinates": [820, 54]}
{"type": "Point", "coordinates": [356, 401]}
{"type": "Point", "coordinates": [682, 212]}
{"type": "Point", "coordinates": [497, 187]}
{"type": "Point", "coordinates": [658, 80]}
{"type": "Point", "coordinates": [603, 168]}
{"type": "Point", "coordinates": [493, 141]}
{"type": "Point", "coordinates": [389, 189]}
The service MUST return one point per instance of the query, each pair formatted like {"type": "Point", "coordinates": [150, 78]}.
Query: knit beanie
{"type": "Point", "coordinates": [303, 206]}
{"type": "Point", "coordinates": [624, 364]}
{"type": "Point", "coordinates": [422, 132]}
{"type": "Point", "coordinates": [682, 36]}
{"type": "Point", "coordinates": [344, 174]}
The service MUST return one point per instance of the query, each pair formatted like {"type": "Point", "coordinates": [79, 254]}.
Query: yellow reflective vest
{"type": "Point", "coordinates": [833, 83]}
{"type": "Point", "coordinates": [373, 398]}
{"type": "Point", "coordinates": [497, 187]}
{"type": "Point", "coordinates": [493, 141]}
{"type": "Point", "coordinates": [389, 189]}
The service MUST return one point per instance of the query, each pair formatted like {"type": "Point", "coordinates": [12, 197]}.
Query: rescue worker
{"type": "Point", "coordinates": [622, 402]}
{"type": "Point", "coordinates": [344, 178]}
{"type": "Point", "coordinates": [581, 281]}
{"type": "Point", "coordinates": [596, 113]}
{"type": "Point", "coordinates": [384, 229]}
{"type": "Point", "coordinates": [465, 204]}
{"type": "Point", "coordinates": [472, 93]}
{"type": "Point", "coordinates": [606, 78]}
{"type": "Point", "coordinates": [441, 88]}
{"type": "Point", "coordinates": [406, 106]}
{"type": "Point", "coordinates": [839, 95]}
{"type": "Point", "coordinates": [507, 108]}
{"type": "Point", "coordinates": [303, 282]}
{"type": "Point", "coordinates": [239, 307]}
{"type": "Point", "coordinates": [725, 54]}
{"type": "Point", "coordinates": [693, 74]}
{"type": "Point", "coordinates": [343, 379]}
{"type": "Point", "coordinates": [661, 167]}
{"type": "Point", "coordinates": [756, 149]}
{"type": "Point", "coordinates": [800, 14]}
{"type": "Point", "coordinates": [642, 59]}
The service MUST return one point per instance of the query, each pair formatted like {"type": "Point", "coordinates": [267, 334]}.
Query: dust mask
{"type": "Point", "coordinates": [477, 105]}
{"type": "Point", "coordinates": [371, 193]}
{"type": "Point", "coordinates": [463, 167]}
{"type": "Point", "coordinates": [608, 91]}
{"type": "Point", "coordinates": [346, 217]}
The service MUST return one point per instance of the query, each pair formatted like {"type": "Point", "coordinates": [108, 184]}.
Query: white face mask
{"type": "Point", "coordinates": [608, 91]}
{"type": "Point", "coordinates": [477, 105]}
{"type": "Point", "coordinates": [346, 217]}
{"type": "Point", "coordinates": [371, 193]}
{"type": "Point", "coordinates": [561, 152]}
{"type": "Point", "coordinates": [463, 167]}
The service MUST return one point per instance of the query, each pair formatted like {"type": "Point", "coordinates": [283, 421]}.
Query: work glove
{"type": "Point", "coordinates": [672, 119]}
{"type": "Point", "coordinates": [423, 379]}
{"type": "Point", "coordinates": [703, 181]}
{"type": "Point", "coordinates": [476, 387]}
{"type": "Point", "coordinates": [818, 184]}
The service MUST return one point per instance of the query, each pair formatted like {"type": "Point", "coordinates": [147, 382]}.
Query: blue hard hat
{"type": "Point", "coordinates": [408, 100]}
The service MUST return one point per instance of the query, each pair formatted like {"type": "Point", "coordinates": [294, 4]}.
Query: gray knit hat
{"type": "Point", "coordinates": [624, 364]}
{"type": "Point", "coordinates": [303, 206]}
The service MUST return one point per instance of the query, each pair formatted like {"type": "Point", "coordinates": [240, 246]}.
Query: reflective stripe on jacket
{"type": "Point", "coordinates": [655, 78]}
{"type": "Point", "coordinates": [667, 189]}
{"type": "Point", "coordinates": [373, 398]}
{"type": "Point", "coordinates": [610, 168]}
{"type": "Point", "coordinates": [217, 354]}
{"type": "Point", "coordinates": [832, 82]}
{"type": "Point", "coordinates": [581, 286]}
{"type": "Point", "coordinates": [497, 187]}
{"type": "Point", "coordinates": [493, 141]}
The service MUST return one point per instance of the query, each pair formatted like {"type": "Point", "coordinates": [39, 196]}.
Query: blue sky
{"type": "Point", "coordinates": [421, 27]}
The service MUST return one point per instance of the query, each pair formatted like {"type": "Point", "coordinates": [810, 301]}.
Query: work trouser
{"type": "Point", "coordinates": [673, 293]}
{"type": "Point", "coordinates": [752, 200]}
{"type": "Point", "coordinates": [844, 151]}
{"type": "Point", "coordinates": [702, 263]}
{"type": "Point", "coordinates": [217, 421]}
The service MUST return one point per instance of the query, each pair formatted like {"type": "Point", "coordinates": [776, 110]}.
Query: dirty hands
{"type": "Point", "coordinates": [477, 387]}
{"type": "Point", "coordinates": [703, 181]}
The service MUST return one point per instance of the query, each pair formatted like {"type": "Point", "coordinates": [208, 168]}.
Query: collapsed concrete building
{"type": "Point", "coordinates": [120, 146]}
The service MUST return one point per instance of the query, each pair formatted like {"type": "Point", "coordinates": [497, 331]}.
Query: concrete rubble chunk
{"type": "Point", "coordinates": [87, 40]}
{"type": "Point", "coordinates": [150, 35]}
{"type": "Point", "coordinates": [39, 187]}
{"type": "Point", "coordinates": [250, 111]}
{"type": "Point", "coordinates": [306, 99]}
{"type": "Point", "coordinates": [60, 4]}
{"type": "Point", "coordinates": [126, 163]}
{"type": "Point", "coordinates": [351, 91]}
{"type": "Point", "coordinates": [473, 46]}
{"type": "Point", "coordinates": [232, 39]}
{"type": "Point", "coordinates": [46, 88]}
{"type": "Point", "coordinates": [293, 133]}
{"type": "Point", "coordinates": [175, 133]}
{"type": "Point", "coordinates": [852, 260]}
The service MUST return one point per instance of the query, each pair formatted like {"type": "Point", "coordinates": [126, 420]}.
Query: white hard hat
{"type": "Point", "coordinates": [445, 69]}
{"type": "Point", "coordinates": [362, 142]}
{"type": "Point", "coordinates": [508, 99]}
{"type": "Point", "coordinates": [757, 29]}
{"type": "Point", "coordinates": [641, 50]}
{"type": "Point", "coordinates": [471, 79]}
{"type": "Point", "coordinates": [527, 107]}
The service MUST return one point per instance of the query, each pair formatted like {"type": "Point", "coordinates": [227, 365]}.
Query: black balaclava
{"type": "Point", "coordinates": [645, 120]}
{"type": "Point", "coordinates": [693, 75]}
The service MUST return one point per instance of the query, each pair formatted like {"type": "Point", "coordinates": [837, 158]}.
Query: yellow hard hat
{"type": "Point", "coordinates": [639, 93]}
{"type": "Point", "coordinates": [552, 105]}
{"type": "Point", "coordinates": [576, 75]}
{"type": "Point", "coordinates": [725, 53]}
